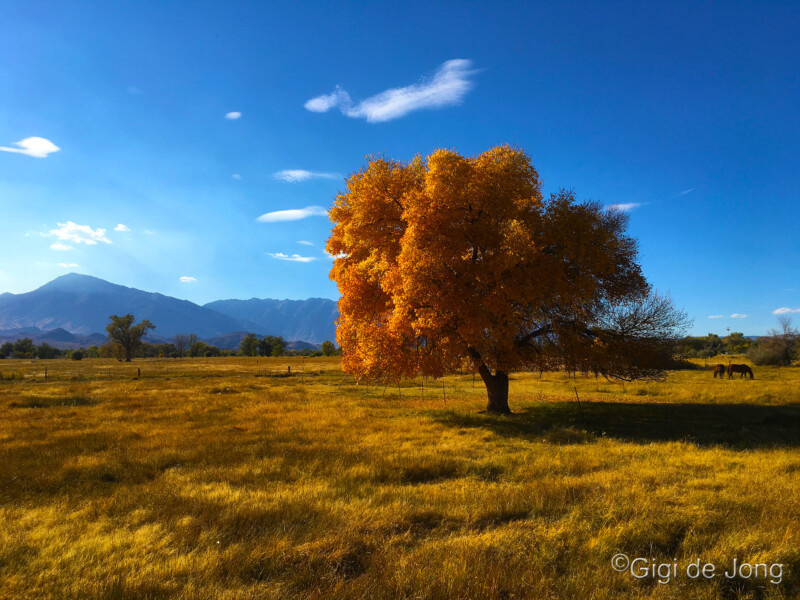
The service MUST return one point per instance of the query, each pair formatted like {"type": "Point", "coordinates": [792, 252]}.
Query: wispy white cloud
{"type": "Point", "coordinates": [305, 243]}
{"type": "Point", "coordinates": [448, 86]}
{"type": "Point", "coordinates": [335, 256]}
{"type": "Point", "coordinates": [689, 191]}
{"type": "Point", "coordinates": [328, 101]}
{"type": "Point", "coordinates": [716, 316]}
{"type": "Point", "coordinates": [785, 311]}
{"type": "Point", "coordinates": [294, 214]}
{"type": "Point", "coordinates": [291, 257]}
{"type": "Point", "coordinates": [68, 265]}
{"type": "Point", "coordinates": [33, 146]}
{"type": "Point", "coordinates": [80, 234]}
{"type": "Point", "coordinates": [236, 176]}
{"type": "Point", "coordinates": [624, 207]}
{"type": "Point", "coordinates": [60, 246]}
{"type": "Point", "coordinates": [738, 316]}
{"type": "Point", "coordinates": [122, 227]}
{"type": "Point", "coordinates": [187, 279]}
{"type": "Point", "coordinates": [295, 175]}
{"type": "Point", "coordinates": [232, 116]}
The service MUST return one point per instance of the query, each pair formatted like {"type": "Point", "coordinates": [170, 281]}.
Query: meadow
{"type": "Point", "coordinates": [231, 478]}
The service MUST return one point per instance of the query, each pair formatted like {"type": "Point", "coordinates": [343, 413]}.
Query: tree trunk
{"type": "Point", "coordinates": [496, 385]}
{"type": "Point", "coordinates": [497, 390]}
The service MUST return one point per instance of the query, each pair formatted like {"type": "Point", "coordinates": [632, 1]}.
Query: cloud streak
{"type": "Point", "coordinates": [716, 316]}
{"type": "Point", "coordinates": [232, 116]}
{"type": "Point", "coordinates": [60, 246]}
{"type": "Point", "coordinates": [68, 265]}
{"type": "Point", "coordinates": [187, 279]}
{"type": "Point", "coordinates": [448, 86]}
{"type": "Point", "coordinates": [79, 234]}
{"type": "Point", "coordinates": [295, 175]}
{"type": "Point", "coordinates": [122, 227]}
{"type": "Point", "coordinates": [785, 311]}
{"type": "Point", "coordinates": [624, 207]}
{"type": "Point", "coordinates": [291, 257]}
{"type": "Point", "coordinates": [33, 146]}
{"type": "Point", "coordinates": [294, 214]}
{"type": "Point", "coordinates": [738, 316]}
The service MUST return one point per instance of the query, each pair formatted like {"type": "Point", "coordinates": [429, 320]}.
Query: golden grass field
{"type": "Point", "coordinates": [216, 478]}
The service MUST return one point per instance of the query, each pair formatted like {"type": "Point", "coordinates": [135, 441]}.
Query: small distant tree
{"type": "Point", "coordinates": [278, 345]}
{"type": "Point", "coordinates": [24, 348]}
{"type": "Point", "coordinates": [92, 352]}
{"type": "Point", "coordinates": [112, 350]}
{"type": "Point", "coordinates": [6, 350]}
{"type": "Point", "coordinates": [249, 345]}
{"type": "Point", "coordinates": [328, 349]}
{"type": "Point", "coordinates": [198, 349]}
{"type": "Point", "coordinates": [181, 342]}
{"type": "Point", "coordinates": [736, 343]}
{"type": "Point", "coordinates": [272, 345]}
{"type": "Point", "coordinates": [166, 351]}
{"type": "Point", "coordinates": [122, 331]}
{"type": "Point", "coordinates": [46, 351]}
{"type": "Point", "coordinates": [193, 351]}
{"type": "Point", "coordinates": [77, 355]}
{"type": "Point", "coordinates": [713, 345]}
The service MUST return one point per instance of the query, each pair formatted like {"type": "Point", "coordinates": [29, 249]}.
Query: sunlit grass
{"type": "Point", "coordinates": [230, 478]}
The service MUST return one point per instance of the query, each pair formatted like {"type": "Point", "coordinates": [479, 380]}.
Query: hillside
{"type": "Point", "coordinates": [311, 320]}
{"type": "Point", "coordinates": [66, 310]}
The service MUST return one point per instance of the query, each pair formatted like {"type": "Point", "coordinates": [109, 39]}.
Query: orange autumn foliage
{"type": "Point", "coordinates": [448, 260]}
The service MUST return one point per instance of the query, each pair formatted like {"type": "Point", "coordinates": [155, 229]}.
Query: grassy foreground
{"type": "Point", "coordinates": [226, 478]}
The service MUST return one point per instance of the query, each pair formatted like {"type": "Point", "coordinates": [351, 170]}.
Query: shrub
{"type": "Point", "coordinates": [761, 356]}
{"type": "Point", "coordinates": [77, 355]}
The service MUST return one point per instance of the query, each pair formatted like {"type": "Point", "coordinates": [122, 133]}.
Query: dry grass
{"type": "Point", "coordinates": [221, 479]}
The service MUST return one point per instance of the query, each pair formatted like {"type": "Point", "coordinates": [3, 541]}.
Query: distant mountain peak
{"type": "Point", "coordinates": [80, 304]}
{"type": "Point", "coordinates": [78, 282]}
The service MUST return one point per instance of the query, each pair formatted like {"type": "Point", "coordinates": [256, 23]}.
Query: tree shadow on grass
{"type": "Point", "coordinates": [739, 426]}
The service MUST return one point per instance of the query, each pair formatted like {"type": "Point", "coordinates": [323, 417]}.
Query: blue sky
{"type": "Point", "coordinates": [179, 124]}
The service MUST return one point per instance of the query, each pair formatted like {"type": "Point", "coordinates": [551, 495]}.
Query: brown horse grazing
{"type": "Point", "coordinates": [743, 369]}
{"type": "Point", "coordinates": [719, 370]}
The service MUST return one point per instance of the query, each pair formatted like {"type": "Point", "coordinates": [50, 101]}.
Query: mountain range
{"type": "Point", "coordinates": [73, 310]}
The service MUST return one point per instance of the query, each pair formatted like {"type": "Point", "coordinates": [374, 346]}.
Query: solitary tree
{"type": "Point", "coordinates": [128, 336]}
{"type": "Point", "coordinates": [328, 349]}
{"type": "Point", "coordinates": [448, 260]}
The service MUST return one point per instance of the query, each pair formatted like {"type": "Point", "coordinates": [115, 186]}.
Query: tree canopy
{"type": "Point", "coordinates": [126, 335]}
{"type": "Point", "coordinates": [248, 346]}
{"type": "Point", "coordinates": [448, 260]}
